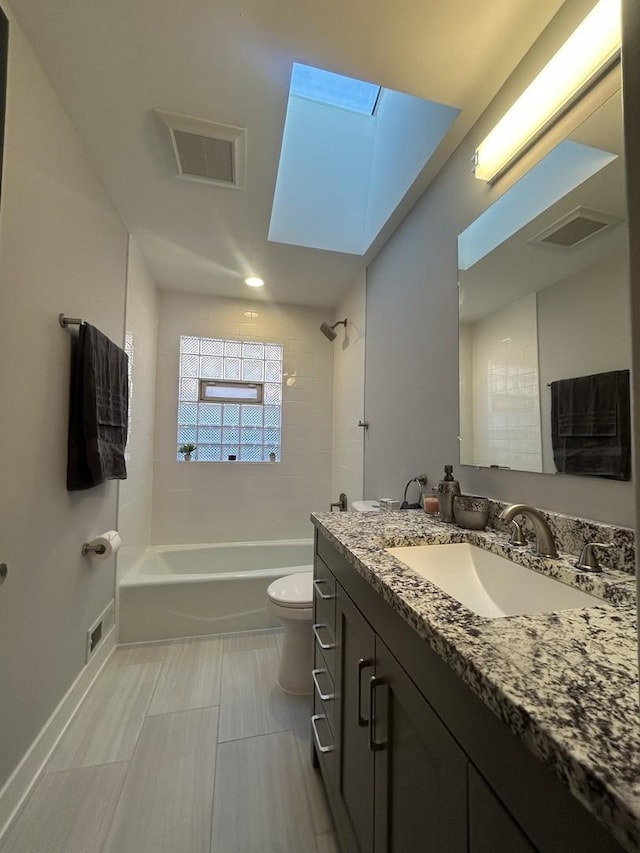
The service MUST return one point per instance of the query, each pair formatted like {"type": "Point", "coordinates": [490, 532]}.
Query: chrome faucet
{"type": "Point", "coordinates": [545, 545]}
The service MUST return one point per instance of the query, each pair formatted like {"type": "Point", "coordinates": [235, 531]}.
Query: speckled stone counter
{"type": "Point", "coordinates": [565, 683]}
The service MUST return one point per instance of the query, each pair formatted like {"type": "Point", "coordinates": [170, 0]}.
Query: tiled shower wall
{"type": "Point", "coordinates": [141, 330]}
{"type": "Point", "coordinates": [503, 394]}
{"type": "Point", "coordinates": [348, 395]}
{"type": "Point", "coordinates": [244, 501]}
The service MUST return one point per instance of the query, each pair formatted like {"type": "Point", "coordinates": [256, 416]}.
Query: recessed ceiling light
{"type": "Point", "coordinates": [254, 281]}
{"type": "Point", "coordinates": [251, 314]}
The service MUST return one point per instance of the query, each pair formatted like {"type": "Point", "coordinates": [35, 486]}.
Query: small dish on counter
{"type": "Point", "coordinates": [471, 512]}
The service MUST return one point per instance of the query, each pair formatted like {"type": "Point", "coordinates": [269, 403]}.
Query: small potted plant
{"type": "Point", "coordinates": [186, 450]}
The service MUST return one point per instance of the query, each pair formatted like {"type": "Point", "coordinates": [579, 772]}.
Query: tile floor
{"type": "Point", "coordinates": [186, 747]}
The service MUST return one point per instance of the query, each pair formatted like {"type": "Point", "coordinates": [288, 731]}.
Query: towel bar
{"type": "Point", "coordinates": [69, 321]}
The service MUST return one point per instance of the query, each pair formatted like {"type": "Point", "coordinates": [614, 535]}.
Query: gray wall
{"type": "Point", "coordinates": [411, 380]}
{"type": "Point", "coordinates": [62, 248]}
{"type": "Point", "coordinates": [583, 327]}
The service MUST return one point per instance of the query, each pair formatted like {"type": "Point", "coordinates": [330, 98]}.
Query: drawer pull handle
{"type": "Point", "coordinates": [324, 597]}
{"type": "Point", "coordinates": [324, 696]}
{"type": "Point", "coordinates": [374, 745]}
{"type": "Point", "coordinates": [314, 720]}
{"type": "Point", "coordinates": [363, 663]}
{"type": "Point", "coordinates": [322, 645]}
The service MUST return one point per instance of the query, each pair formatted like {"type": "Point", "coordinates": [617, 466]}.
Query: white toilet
{"type": "Point", "coordinates": [290, 599]}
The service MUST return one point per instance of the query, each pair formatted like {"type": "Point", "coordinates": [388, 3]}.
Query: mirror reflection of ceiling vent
{"type": "Point", "coordinates": [207, 152]}
{"type": "Point", "coordinates": [575, 227]}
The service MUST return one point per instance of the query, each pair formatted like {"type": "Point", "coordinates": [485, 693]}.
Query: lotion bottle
{"type": "Point", "coordinates": [448, 488]}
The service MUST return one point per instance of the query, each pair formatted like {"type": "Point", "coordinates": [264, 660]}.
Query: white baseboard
{"type": "Point", "coordinates": [26, 773]}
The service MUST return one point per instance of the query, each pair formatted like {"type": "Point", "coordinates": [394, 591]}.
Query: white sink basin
{"type": "Point", "coordinates": [490, 585]}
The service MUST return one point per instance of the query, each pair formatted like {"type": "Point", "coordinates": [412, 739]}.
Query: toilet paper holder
{"type": "Point", "coordinates": [88, 548]}
{"type": "Point", "coordinates": [103, 546]}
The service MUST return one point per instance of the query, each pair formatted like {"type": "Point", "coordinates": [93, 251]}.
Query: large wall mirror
{"type": "Point", "coordinates": [544, 295]}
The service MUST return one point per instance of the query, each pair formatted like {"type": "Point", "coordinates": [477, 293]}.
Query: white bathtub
{"type": "Point", "coordinates": [194, 590]}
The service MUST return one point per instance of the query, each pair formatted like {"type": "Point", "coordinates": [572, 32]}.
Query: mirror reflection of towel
{"type": "Point", "coordinates": [98, 411]}
{"type": "Point", "coordinates": [591, 425]}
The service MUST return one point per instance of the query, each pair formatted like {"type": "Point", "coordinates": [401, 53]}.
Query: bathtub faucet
{"type": "Point", "coordinates": [341, 503]}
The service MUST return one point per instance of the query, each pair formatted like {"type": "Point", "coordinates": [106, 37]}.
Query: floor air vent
{"type": "Point", "coordinates": [205, 151]}
{"type": "Point", "coordinates": [575, 227]}
{"type": "Point", "coordinates": [99, 630]}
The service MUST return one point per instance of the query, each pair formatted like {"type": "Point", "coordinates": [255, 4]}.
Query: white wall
{"type": "Point", "coordinates": [62, 248]}
{"type": "Point", "coordinates": [505, 391]}
{"type": "Point", "coordinates": [411, 387]}
{"type": "Point", "coordinates": [141, 332]}
{"type": "Point", "coordinates": [241, 501]}
{"type": "Point", "coordinates": [584, 327]}
{"type": "Point", "coordinates": [348, 395]}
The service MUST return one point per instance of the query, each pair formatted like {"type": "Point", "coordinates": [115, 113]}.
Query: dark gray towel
{"type": "Point", "coordinates": [98, 416]}
{"type": "Point", "coordinates": [591, 425]}
{"type": "Point", "coordinates": [587, 405]}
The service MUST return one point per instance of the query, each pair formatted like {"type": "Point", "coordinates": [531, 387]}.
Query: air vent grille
{"type": "Point", "coordinates": [575, 227]}
{"type": "Point", "coordinates": [99, 630]}
{"type": "Point", "coordinates": [206, 151]}
{"type": "Point", "coordinates": [204, 157]}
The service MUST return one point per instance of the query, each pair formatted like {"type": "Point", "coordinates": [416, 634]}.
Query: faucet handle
{"type": "Point", "coordinates": [588, 561]}
{"type": "Point", "coordinates": [517, 536]}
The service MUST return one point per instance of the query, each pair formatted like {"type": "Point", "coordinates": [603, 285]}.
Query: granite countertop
{"type": "Point", "coordinates": [566, 683]}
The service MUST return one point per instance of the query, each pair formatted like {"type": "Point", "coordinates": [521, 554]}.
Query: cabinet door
{"type": "Point", "coordinates": [356, 649]}
{"type": "Point", "coordinates": [491, 828]}
{"type": "Point", "coordinates": [420, 772]}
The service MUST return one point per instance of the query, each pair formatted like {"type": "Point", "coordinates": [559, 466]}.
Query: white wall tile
{"type": "Point", "coordinates": [504, 370]}
{"type": "Point", "coordinates": [348, 395]}
{"type": "Point", "coordinates": [218, 502]}
{"type": "Point", "coordinates": [141, 332]}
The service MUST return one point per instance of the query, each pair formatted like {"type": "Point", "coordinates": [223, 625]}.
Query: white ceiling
{"type": "Point", "coordinates": [229, 61]}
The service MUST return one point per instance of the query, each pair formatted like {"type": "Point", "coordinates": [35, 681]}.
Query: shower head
{"type": "Point", "coordinates": [327, 330]}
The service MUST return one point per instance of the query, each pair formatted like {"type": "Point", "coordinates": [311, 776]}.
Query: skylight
{"type": "Point", "coordinates": [334, 89]}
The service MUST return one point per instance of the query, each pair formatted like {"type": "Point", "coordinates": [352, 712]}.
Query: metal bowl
{"type": "Point", "coordinates": [471, 511]}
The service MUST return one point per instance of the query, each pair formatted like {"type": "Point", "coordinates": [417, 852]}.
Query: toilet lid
{"type": "Point", "coordinates": [293, 590]}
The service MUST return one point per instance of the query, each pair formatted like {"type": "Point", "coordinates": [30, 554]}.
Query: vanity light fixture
{"type": "Point", "coordinates": [590, 51]}
{"type": "Point", "coordinates": [254, 281]}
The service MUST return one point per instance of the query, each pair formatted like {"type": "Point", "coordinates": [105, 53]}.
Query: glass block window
{"type": "Point", "coordinates": [226, 430]}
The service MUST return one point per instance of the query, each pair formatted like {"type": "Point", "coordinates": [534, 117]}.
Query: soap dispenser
{"type": "Point", "coordinates": [448, 488]}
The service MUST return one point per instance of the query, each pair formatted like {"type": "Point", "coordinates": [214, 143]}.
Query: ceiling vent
{"type": "Point", "coordinates": [207, 152]}
{"type": "Point", "coordinates": [575, 227]}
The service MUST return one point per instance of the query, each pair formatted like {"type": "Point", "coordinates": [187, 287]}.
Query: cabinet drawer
{"type": "Point", "coordinates": [324, 744]}
{"type": "Point", "coordinates": [324, 596]}
{"type": "Point", "coordinates": [324, 695]}
{"type": "Point", "coordinates": [325, 648]}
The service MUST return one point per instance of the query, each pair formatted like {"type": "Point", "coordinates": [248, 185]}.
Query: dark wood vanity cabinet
{"type": "Point", "coordinates": [412, 760]}
{"type": "Point", "coordinates": [491, 827]}
{"type": "Point", "coordinates": [356, 762]}
{"type": "Point", "coordinates": [400, 779]}
{"type": "Point", "coordinates": [420, 800]}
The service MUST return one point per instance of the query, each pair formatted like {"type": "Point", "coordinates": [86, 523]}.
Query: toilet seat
{"type": "Point", "coordinates": [292, 591]}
